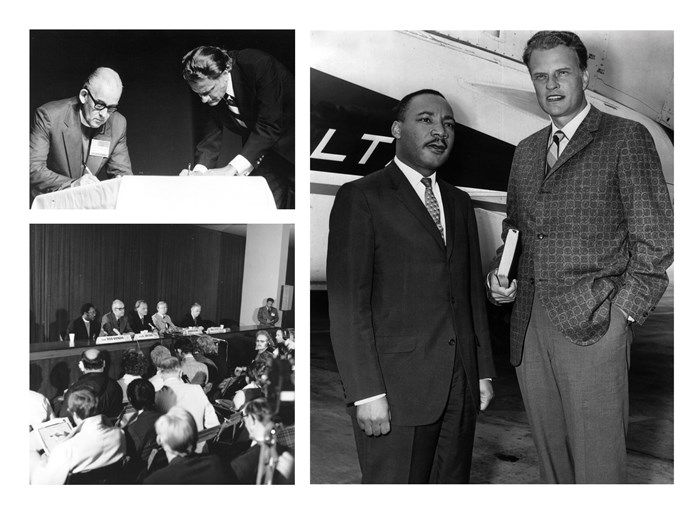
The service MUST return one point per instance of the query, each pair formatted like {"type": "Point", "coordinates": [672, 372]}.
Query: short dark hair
{"type": "Point", "coordinates": [401, 107]}
{"type": "Point", "coordinates": [548, 39]}
{"type": "Point", "coordinates": [86, 307]}
{"type": "Point", "coordinates": [184, 344]}
{"type": "Point", "coordinates": [141, 394]}
{"type": "Point", "coordinates": [134, 362]}
{"type": "Point", "coordinates": [270, 299]}
{"type": "Point", "coordinates": [257, 370]}
{"type": "Point", "coordinates": [205, 62]}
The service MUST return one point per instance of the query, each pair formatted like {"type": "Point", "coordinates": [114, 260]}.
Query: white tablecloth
{"type": "Point", "coordinates": [213, 194]}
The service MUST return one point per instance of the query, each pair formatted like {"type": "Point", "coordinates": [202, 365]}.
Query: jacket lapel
{"type": "Point", "coordinates": [582, 138]}
{"type": "Point", "coordinates": [407, 195]}
{"type": "Point", "coordinates": [72, 138]}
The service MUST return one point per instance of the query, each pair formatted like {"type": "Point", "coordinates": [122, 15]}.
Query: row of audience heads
{"type": "Point", "coordinates": [176, 430]}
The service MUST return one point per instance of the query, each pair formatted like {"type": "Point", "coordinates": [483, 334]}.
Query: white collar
{"type": "Point", "coordinates": [413, 176]}
{"type": "Point", "coordinates": [570, 128]}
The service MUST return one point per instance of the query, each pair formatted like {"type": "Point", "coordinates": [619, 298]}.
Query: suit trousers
{"type": "Point", "coordinates": [577, 400]}
{"type": "Point", "coordinates": [440, 452]}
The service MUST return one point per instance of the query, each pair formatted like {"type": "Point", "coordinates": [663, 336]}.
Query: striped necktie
{"type": "Point", "coordinates": [553, 153]}
{"type": "Point", "coordinates": [233, 108]}
{"type": "Point", "coordinates": [432, 205]}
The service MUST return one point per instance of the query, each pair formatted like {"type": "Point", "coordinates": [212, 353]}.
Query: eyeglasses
{"type": "Point", "coordinates": [119, 308]}
{"type": "Point", "coordinates": [101, 105]}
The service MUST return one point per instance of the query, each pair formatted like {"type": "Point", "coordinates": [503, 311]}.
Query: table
{"type": "Point", "coordinates": [213, 194]}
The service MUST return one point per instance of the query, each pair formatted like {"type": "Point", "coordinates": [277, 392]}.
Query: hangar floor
{"type": "Point", "coordinates": [503, 451]}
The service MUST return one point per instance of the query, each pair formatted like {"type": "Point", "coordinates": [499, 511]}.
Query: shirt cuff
{"type": "Point", "coordinates": [370, 399]}
{"type": "Point", "coordinates": [200, 168]}
{"type": "Point", "coordinates": [241, 165]}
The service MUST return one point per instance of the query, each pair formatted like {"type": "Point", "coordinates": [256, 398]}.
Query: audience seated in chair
{"type": "Point", "coordinates": [190, 397]}
{"type": "Point", "coordinates": [106, 390]}
{"type": "Point", "coordinates": [177, 435]}
{"type": "Point", "coordinates": [261, 429]}
{"type": "Point", "coordinates": [197, 373]}
{"type": "Point", "coordinates": [134, 366]}
{"type": "Point", "coordinates": [92, 445]}
{"type": "Point", "coordinates": [140, 429]}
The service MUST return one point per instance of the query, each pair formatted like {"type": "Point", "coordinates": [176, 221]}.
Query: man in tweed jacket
{"type": "Point", "coordinates": [596, 232]}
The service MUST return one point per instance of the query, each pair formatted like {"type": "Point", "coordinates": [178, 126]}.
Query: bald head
{"type": "Point", "coordinates": [118, 308]}
{"type": "Point", "coordinates": [100, 96]}
{"type": "Point", "coordinates": [92, 360]}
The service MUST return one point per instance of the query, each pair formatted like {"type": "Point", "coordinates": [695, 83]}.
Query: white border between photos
{"type": "Point", "coordinates": [305, 17]}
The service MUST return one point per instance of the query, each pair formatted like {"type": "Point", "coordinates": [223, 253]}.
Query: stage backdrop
{"type": "Point", "coordinates": [180, 264]}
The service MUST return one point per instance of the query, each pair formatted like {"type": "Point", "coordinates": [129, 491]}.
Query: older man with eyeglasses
{"type": "Point", "coordinates": [115, 323]}
{"type": "Point", "coordinates": [80, 140]}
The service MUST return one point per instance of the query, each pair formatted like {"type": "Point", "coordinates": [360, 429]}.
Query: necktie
{"type": "Point", "coordinates": [553, 153]}
{"type": "Point", "coordinates": [233, 107]}
{"type": "Point", "coordinates": [432, 205]}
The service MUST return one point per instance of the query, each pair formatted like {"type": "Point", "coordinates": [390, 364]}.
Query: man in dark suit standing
{"type": "Point", "coordinates": [407, 310]}
{"type": "Point", "coordinates": [253, 95]}
{"type": "Point", "coordinates": [86, 327]}
{"type": "Point", "coordinates": [81, 140]}
{"type": "Point", "coordinates": [596, 225]}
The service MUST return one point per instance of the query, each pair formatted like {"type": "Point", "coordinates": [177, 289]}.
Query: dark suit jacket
{"type": "Point", "coordinates": [137, 325]}
{"type": "Point", "coordinates": [108, 392]}
{"type": "Point", "coordinates": [264, 91]}
{"type": "Point", "coordinates": [110, 322]}
{"type": "Point", "coordinates": [55, 147]}
{"type": "Point", "coordinates": [401, 302]}
{"type": "Point", "coordinates": [597, 231]}
{"type": "Point", "coordinates": [78, 327]}
{"type": "Point", "coordinates": [193, 469]}
{"type": "Point", "coordinates": [141, 436]}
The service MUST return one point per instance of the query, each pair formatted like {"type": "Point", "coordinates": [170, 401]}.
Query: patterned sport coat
{"type": "Point", "coordinates": [597, 232]}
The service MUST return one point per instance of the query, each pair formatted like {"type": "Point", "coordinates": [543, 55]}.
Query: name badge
{"type": "Point", "coordinates": [99, 148]}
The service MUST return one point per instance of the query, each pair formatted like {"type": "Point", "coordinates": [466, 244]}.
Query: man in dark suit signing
{"type": "Point", "coordinates": [596, 226]}
{"type": "Point", "coordinates": [252, 94]}
{"type": "Point", "coordinates": [80, 140]}
{"type": "Point", "coordinates": [407, 310]}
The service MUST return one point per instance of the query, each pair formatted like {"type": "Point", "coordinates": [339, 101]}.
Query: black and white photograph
{"type": "Point", "coordinates": [167, 350]}
{"type": "Point", "coordinates": [119, 117]}
{"type": "Point", "coordinates": [491, 257]}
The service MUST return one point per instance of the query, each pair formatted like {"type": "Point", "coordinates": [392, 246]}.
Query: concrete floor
{"type": "Point", "coordinates": [503, 449]}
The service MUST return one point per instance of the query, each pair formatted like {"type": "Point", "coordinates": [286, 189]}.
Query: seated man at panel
{"type": "Point", "coordinates": [177, 433]}
{"type": "Point", "coordinates": [138, 317]}
{"type": "Point", "coordinates": [115, 323]}
{"type": "Point", "coordinates": [93, 444]}
{"type": "Point", "coordinates": [106, 390]}
{"type": "Point", "coordinates": [252, 95]}
{"type": "Point", "coordinates": [190, 397]}
{"type": "Point", "coordinates": [86, 326]}
{"type": "Point", "coordinates": [193, 318]}
{"type": "Point", "coordinates": [81, 140]}
{"type": "Point", "coordinates": [162, 321]}
{"type": "Point", "coordinates": [258, 422]}
{"type": "Point", "coordinates": [197, 373]}
{"type": "Point", "coordinates": [268, 315]}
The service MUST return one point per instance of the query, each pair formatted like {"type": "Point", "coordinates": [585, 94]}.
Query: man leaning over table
{"type": "Point", "coordinates": [80, 140]}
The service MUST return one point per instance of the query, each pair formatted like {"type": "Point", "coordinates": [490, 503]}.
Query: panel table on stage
{"type": "Point", "coordinates": [57, 362]}
{"type": "Point", "coordinates": [213, 194]}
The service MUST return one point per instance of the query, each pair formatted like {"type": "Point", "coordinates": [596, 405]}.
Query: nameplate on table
{"type": "Point", "coordinates": [218, 330]}
{"type": "Point", "coordinates": [146, 336]}
{"type": "Point", "coordinates": [102, 340]}
{"type": "Point", "coordinates": [189, 331]}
